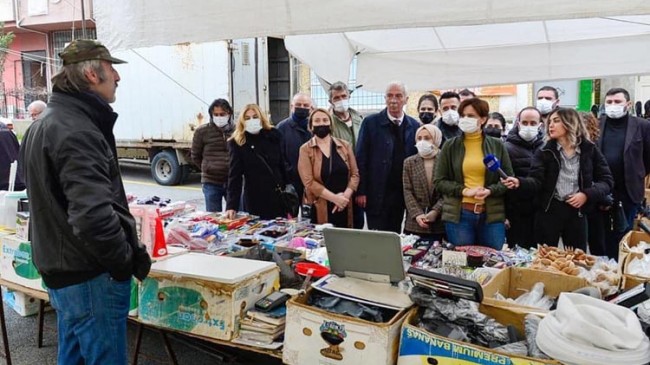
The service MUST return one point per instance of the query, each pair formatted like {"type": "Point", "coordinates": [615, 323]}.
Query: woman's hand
{"type": "Point", "coordinates": [482, 193]}
{"type": "Point", "coordinates": [577, 200]}
{"type": "Point", "coordinates": [510, 182]}
{"type": "Point", "coordinates": [422, 221]}
{"type": "Point", "coordinates": [340, 201]}
{"type": "Point", "coordinates": [230, 214]}
{"type": "Point", "coordinates": [470, 192]}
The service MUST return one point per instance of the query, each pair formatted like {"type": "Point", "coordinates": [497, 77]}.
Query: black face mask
{"type": "Point", "coordinates": [426, 117]}
{"type": "Point", "coordinates": [493, 132]}
{"type": "Point", "coordinates": [301, 113]}
{"type": "Point", "coordinates": [322, 131]}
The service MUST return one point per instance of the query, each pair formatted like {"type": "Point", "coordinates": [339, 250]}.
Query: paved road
{"type": "Point", "coordinates": [22, 331]}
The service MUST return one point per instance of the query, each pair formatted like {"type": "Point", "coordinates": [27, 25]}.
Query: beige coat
{"type": "Point", "coordinates": [309, 167]}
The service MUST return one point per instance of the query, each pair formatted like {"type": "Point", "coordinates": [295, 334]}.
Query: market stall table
{"type": "Point", "coordinates": [43, 297]}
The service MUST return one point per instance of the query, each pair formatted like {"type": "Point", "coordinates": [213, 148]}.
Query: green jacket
{"type": "Point", "coordinates": [450, 182]}
{"type": "Point", "coordinates": [342, 131]}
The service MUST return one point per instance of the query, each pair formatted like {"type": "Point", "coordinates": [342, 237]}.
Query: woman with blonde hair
{"type": "Point", "coordinates": [572, 176]}
{"type": "Point", "coordinates": [256, 165]}
{"type": "Point", "coordinates": [423, 202]}
{"type": "Point", "coordinates": [328, 170]}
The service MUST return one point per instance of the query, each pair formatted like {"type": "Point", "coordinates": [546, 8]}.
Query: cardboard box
{"type": "Point", "coordinates": [16, 263]}
{"type": "Point", "coordinates": [357, 341]}
{"type": "Point", "coordinates": [22, 225]}
{"type": "Point", "coordinates": [631, 239]}
{"type": "Point", "coordinates": [630, 281]}
{"type": "Point", "coordinates": [204, 294]}
{"type": "Point", "coordinates": [515, 281]}
{"type": "Point", "coordinates": [20, 302]}
{"type": "Point", "coordinates": [418, 347]}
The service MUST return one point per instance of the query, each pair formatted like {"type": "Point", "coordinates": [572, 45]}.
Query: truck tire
{"type": "Point", "coordinates": [186, 170]}
{"type": "Point", "coordinates": [165, 168]}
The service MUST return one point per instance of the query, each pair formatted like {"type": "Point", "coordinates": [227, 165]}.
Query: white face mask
{"type": "Point", "coordinates": [615, 111]}
{"type": "Point", "coordinates": [220, 121]}
{"type": "Point", "coordinates": [450, 117]}
{"type": "Point", "coordinates": [253, 126]}
{"type": "Point", "coordinates": [468, 125]}
{"type": "Point", "coordinates": [544, 106]}
{"type": "Point", "coordinates": [341, 105]}
{"type": "Point", "coordinates": [426, 148]}
{"type": "Point", "coordinates": [528, 133]}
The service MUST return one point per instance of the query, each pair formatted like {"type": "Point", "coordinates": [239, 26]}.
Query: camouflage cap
{"type": "Point", "coordinates": [81, 50]}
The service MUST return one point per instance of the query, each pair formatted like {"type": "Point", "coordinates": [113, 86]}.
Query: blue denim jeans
{"type": "Point", "coordinates": [91, 321]}
{"type": "Point", "coordinates": [214, 195]}
{"type": "Point", "coordinates": [473, 230]}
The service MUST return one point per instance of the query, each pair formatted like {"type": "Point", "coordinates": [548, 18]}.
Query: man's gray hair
{"type": "Point", "coordinates": [72, 78]}
{"type": "Point", "coordinates": [38, 105]}
{"type": "Point", "coordinates": [398, 84]}
{"type": "Point", "coordinates": [338, 86]}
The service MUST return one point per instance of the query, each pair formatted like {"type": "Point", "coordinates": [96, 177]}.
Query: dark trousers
{"type": "Point", "coordinates": [521, 230]}
{"type": "Point", "coordinates": [561, 220]}
{"type": "Point", "coordinates": [596, 224]}
{"type": "Point", "coordinates": [612, 238]}
{"type": "Point", "coordinates": [392, 213]}
{"type": "Point", "coordinates": [358, 219]}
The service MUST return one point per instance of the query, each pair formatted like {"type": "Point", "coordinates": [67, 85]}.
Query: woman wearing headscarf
{"type": "Point", "coordinates": [423, 202]}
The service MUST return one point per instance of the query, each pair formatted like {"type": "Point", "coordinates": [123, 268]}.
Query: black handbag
{"type": "Point", "coordinates": [288, 195]}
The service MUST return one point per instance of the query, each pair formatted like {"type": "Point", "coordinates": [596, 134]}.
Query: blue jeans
{"type": "Point", "coordinates": [91, 321]}
{"type": "Point", "coordinates": [473, 230]}
{"type": "Point", "coordinates": [214, 195]}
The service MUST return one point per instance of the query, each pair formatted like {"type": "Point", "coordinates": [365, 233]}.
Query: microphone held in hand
{"type": "Point", "coordinates": [492, 163]}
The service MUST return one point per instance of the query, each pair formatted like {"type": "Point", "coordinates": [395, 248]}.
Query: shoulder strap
{"type": "Point", "coordinates": [277, 185]}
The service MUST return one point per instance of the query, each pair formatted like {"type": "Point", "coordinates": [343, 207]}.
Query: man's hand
{"type": "Point", "coordinates": [230, 214]}
{"type": "Point", "coordinates": [361, 200]}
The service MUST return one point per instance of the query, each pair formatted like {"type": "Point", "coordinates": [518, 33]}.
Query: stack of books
{"type": "Point", "coordinates": [263, 329]}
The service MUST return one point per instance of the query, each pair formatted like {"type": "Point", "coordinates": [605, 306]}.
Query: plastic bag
{"type": "Point", "coordinates": [481, 329]}
{"type": "Point", "coordinates": [536, 298]}
{"type": "Point", "coordinates": [640, 266]}
{"type": "Point", "coordinates": [531, 324]}
{"type": "Point", "coordinates": [516, 348]}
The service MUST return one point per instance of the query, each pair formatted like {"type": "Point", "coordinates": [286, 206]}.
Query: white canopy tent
{"type": "Point", "coordinates": [424, 43]}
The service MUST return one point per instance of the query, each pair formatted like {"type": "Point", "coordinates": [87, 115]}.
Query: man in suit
{"type": "Point", "coordinates": [385, 140]}
{"type": "Point", "coordinates": [625, 143]}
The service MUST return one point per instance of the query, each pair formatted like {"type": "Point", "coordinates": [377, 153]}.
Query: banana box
{"type": "Point", "coordinates": [16, 263]}
{"type": "Point", "coordinates": [203, 294]}
{"type": "Point", "coordinates": [419, 347]}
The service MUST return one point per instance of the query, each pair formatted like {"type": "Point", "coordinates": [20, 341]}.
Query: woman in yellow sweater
{"type": "Point", "coordinates": [473, 209]}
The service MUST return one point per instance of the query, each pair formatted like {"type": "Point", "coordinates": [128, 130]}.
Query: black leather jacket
{"type": "Point", "coordinates": [79, 217]}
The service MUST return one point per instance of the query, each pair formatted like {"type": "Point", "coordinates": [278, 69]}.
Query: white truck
{"type": "Point", "coordinates": [165, 91]}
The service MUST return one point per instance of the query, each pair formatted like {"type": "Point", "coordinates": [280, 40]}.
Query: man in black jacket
{"type": "Point", "coordinates": [524, 139]}
{"type": "Point", "coordinates": [85, 243]}
{"type": "Point", "coordinates": [625, 143]}
{"type": "Point", "coordinates": [295, 133]}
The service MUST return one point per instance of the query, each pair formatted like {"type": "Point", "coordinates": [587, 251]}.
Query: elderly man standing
{"type": "Point", "coordinates": [386, 139]}
{"type": "Point", "coordinates": [294, 134]}
{"type": "Point", "coordinates": [85, 243]}
{"type": "Point", "coordinates": [35, 109]}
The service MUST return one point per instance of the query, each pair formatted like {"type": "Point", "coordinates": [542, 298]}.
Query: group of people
{"type": "Point", "coordinates": [564, 175]}
{"type": "Point", "coordinates": [561, 175]}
